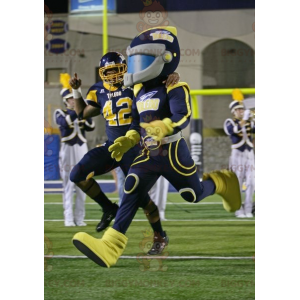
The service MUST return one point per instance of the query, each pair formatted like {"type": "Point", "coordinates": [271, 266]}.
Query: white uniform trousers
{"type": "Point", "coordinates": [158, 195]}
{"type": "Point", "coordinates": [242, 163]}
{"type": "Point", "coordinates": [69, 156]}
{"type": "Point", "coordinates": [121, 180]}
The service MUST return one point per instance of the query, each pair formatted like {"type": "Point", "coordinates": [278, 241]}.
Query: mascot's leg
{"type": "Point", "coordinates": [228, 187]}
{"type": "Point", "coordinates": [105, 251]}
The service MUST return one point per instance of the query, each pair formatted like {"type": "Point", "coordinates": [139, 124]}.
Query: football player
{"type": "Point", "coordinates": [162, 113]}
{"type": "Point", "coordinates": [240, 130]}
{"type": "Point", "coordinates": [110, 98]}
{"type": "Point", "coordinates": [73, 148]}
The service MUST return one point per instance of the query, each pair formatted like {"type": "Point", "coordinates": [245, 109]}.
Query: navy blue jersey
{"type": "Point", "coordinates": [156, 103]}
{"type": "Point", "coordinates": [171, 160]}
{"type": "Point", "coordinates": [114, 105]}
{"type": "Point", "coordinates": [241, 138]}
{"type": "Point", "coordinates": [72, 131]}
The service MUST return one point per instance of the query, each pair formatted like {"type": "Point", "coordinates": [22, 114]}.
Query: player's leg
{"type": "Point", "coordinates": [79, 210]}
{"type": "Point", "coordinates": [107, 250]}
{"type": "Point", "coordinates": [160, 239]}
{"type": "Point", "coordinates": [96, 162]}
{"type": "Point", "coordinates": [250, 184]}
{"type": "Point", "coordinates": [65, 168]}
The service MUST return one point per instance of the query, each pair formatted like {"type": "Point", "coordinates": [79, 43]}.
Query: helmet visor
{"type": "Point", "coordinates": [139, 62]}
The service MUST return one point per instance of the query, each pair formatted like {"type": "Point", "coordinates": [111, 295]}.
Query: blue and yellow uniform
{"type": "Point", "coordinates": [163, 113]}
{"type": "Point", "coordinates": [115, 104]}
{"type": "Point", "coordinates": [171, 159]}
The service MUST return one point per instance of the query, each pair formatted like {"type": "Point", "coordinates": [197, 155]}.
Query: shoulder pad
{"type": "Point", "coordinates": [137, 88]}
{"type": "Point", "coordinates": [225, 125]}
{"type": "Point", "coordinates": [61, 112]}
{"type": "Point", "coordinates": [183, 84]}
{"type": "Point", "coordinates": [91, 95]}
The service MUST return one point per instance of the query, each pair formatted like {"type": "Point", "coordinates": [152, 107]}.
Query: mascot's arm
{"type": "Point", "coordinates": [180, 105]}
{"type": "Point", "coordinates": [122, 144]}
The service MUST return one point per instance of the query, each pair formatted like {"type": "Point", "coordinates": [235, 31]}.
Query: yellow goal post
{"type": "Point", "coordinates": [196, 127]}
{"type": "Point", "coordinates": [213, 92]}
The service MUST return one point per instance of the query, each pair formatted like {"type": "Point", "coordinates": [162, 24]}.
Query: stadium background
{"type": "Point", "coordinates": [217, 42]}
{"type": "Point", "coordinates": [217, 51]}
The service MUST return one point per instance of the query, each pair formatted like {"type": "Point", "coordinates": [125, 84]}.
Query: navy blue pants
{"type": "Point", "coordinates": [174, 162]}
{"type": "Point", "coordinates": [98, 161]}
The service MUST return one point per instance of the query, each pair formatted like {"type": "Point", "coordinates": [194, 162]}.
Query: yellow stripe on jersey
{"type": "Point", "coordinates": [91, 96]}
{"type": "Point", "coordinates": [187, 106]}
{"type": "Point", "coordinates": [137, 88]}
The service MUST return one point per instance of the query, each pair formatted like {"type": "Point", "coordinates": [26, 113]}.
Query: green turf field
{"type": "Point", "coordinates": [204, 230]}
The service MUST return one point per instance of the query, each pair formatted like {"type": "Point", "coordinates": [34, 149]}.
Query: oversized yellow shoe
{"type": "Point", "coordinates": [106, 251]}
{"type": "Point", "coordinates": [227, 186]}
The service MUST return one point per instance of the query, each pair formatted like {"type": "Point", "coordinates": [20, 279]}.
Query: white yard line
{"type": "Point", "coordinates": [60, 181]}
{"type": "Point", "coordinates": [183, 203]}
{"type": "Point", "coordinates": [173, 220]}
{"type": "Point", "coordinates": [162, 257]}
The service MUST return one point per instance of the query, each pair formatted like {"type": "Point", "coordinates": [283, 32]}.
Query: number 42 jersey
{"type": "Point", "coordinates": [115, 106]}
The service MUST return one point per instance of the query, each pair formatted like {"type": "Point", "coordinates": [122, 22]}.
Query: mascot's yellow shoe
{"type": "Point", "coordinates": [106, 251]}
{"type": "Point", "coordinates": [228, 187]}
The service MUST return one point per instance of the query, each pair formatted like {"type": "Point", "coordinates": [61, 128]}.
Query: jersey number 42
{"type": "Point", "coordinates": [123, 116]}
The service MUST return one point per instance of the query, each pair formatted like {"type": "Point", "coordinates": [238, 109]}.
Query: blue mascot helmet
{"type": "Point", "coordinates": [112, 61]}
{"type": "Point", "coordinates": [154, 52]}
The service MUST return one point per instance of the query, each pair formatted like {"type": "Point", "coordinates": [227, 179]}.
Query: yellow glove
{"type": "Point", "coordinates": [122, 144]}
{"type": "Point", "coordinates": [158, 129]}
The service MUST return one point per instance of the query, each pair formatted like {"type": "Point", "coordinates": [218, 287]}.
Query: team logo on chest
{"type": "Point", "coordinates": [114, 94]}
{"type": "Point", "coordinates": [146, 102]}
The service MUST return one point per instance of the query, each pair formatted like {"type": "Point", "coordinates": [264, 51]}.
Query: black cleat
{"type": "Point", "coordinates": [159, 244]}
{"type": "Point", "coordinates": [107, 217]}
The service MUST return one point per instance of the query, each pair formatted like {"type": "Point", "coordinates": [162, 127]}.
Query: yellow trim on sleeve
{"type": "Point", "coordinates": [91, 96]}
{"type": "Point", "coordinates": [183, 84]}
{"type": "Point", "coordinates": [137, 88]}
{"type": "Point", "coordinates": [188, 109]}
